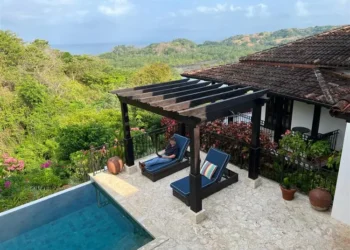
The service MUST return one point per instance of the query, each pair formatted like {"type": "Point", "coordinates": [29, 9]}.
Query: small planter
{"type": "Point", "coordinates": [288, 194]}
{"type": "Point", "coordinates": [320, 199]}
{"type": "Point", "coordinates": [115, 165]}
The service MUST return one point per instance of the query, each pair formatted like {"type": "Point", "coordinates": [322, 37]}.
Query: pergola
{"type": "Point", "coordinates": [192, 102]}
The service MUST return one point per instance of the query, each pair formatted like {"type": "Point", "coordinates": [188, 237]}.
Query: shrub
{"type": "Point", "coordinates": [32, 92]}
{"type": "Point", "coordinates": [75, 137]}
{"type": "Point", "coordinates": [241, 132]}
{"type": "Point", "coordinates": [45, 178]}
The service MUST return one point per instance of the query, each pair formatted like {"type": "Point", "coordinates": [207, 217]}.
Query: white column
{"type": "Point", "coordinates": [341, 205]}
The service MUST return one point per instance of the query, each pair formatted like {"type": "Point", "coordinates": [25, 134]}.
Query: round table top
{"type": "Point", "coordinates": [302, 130]}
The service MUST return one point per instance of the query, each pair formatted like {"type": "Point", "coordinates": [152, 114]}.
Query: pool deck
{"type": "Point", "coordinates": [238, 217]}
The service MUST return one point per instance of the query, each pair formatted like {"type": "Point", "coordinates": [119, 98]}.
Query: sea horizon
{"type": "Point", "coordinates": [89, 48]}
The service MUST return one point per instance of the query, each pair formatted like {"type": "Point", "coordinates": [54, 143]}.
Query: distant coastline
{"type": "Point", "coordinates": [87, 48]}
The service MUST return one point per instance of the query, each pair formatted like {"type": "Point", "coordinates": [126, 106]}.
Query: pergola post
{"type": "Point", "coordinates": [182, 128]}
{"type": "Point", "coordinates": [128, 144]}
{"type": "Point", "coordinates": [254, 153]}
{"type": "Point", "coordinates": [316, 122]}
{"type": "Point", "coordinates": [279, 119]}
{"type": "Point", "coordinates": [195, 176]}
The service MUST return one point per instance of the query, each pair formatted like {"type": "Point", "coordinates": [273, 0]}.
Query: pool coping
{"type": "Point", "coordinates": [159, 238]}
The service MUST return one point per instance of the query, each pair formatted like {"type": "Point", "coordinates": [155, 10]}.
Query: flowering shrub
{"type": "Point", "coordinates": [7, 184]}
{"type": "Point", "coordinates": [171, 127]}
{"type": "Point", "coordinates": [12, 164]}
{"type": "Point", "coordinates": [241, 132]}
{"type": "Point", "coordinates": [47, 164]}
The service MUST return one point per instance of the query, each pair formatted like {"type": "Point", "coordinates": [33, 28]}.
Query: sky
{"type": "Point", "coordinates": [140, 22]}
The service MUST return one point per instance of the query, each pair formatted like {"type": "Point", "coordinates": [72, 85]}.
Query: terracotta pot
{"type": "Point", "coordinates": [288, 194]}
{"type": "Point", "coordinates": [115, 165]}
{"type": "Point", "coordinates": [320, 199]}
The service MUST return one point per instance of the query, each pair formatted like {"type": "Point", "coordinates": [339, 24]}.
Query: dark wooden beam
{"type": "Point", "coordinates": [254, 152]}
{"type": "Point", "coordinates": [316, 122]}
{"type": "Point", "coordinates": [203, 100]}
{"type": "Point", "coordinates": [228, 103]}
{"type": "Point", "coordinates": [215, 89]}
{"type": "Point", "coordinates": [178, 94]}
{"type": "Point", "coordinates": [160, 111]}
{"type": "Point", "coordinates": [128, 147]}
{"type": "Point", "coordinates": [181, 128]}
{"type": "Point", "coordinates": [119, 91]}
{"type": "Point", "coordinates": [278, 109]}
{"type": "Point", "coordinates": [195, 176]}
{"type": "Point", "coordinates": [220, 113]}
{"type": "Point", "coordinates": [188, 86]}
{"type": "Point", "coordinates": [157, 88]}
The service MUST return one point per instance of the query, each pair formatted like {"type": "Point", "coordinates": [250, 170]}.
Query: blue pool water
{"type": "Point", "coordinates": [72, 220]}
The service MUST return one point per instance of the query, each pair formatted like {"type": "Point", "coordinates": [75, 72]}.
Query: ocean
{"type": "Point", "coordinates": [89, 49]}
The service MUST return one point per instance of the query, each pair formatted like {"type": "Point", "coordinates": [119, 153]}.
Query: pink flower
{"type": "Point", "coordinates": [7, 184]}
{"type": "Point", "coordinates": [46, 164]}
{"type": "Point", "coordinates": [288, 132]}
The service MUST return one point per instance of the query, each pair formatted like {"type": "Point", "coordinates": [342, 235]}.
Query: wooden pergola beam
{"type": "Point", "coordinates": [215, 89]}
{"type": "Point", "coordinates": [211, 116]}
{"type": "Point", "coordinates": [119, 91]}
{"type": "Point", "coordinates": [212, 98]}
{"type": "Point", "coordinates": [228, 103]}
{"type": "Point", "coordinates": [178, 94]}
{"type": "Point", "coordinates": [157, 88]}
{"type": "Point", "coordinates": [186, 86]}
{"type": "Point", "coordinates": [160, 111]}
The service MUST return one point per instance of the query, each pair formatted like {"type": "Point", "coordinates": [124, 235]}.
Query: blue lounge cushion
{"type": "Point", "coordinates": [182, 143]}
{"type": "Point", "coordinates": [215, 156]}
{"type": "Point", "coordinates": [183, 185]}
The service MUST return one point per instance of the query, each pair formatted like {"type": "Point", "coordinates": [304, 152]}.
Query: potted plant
{"type": "Point", "coordinates": [319, 152]}
{"type": "Point", "coordinates": [288, 188]}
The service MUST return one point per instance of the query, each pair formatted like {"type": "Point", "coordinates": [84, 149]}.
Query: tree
{"type": "Point", "coordinates": [153, 73]}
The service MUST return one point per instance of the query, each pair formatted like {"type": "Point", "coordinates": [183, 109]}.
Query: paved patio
{"type": "Point", "coordinates": [239, 217]}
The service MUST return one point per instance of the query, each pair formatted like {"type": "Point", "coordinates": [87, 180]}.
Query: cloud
{"type": "Point", "coordinates": [261, 10]}
{"type": "Point", "coordinates": [301, 8]}
{"type": "Point", "coordinates": [185, 12]}
{"type": "Point", "coordinates": [55, 2]}
{"type": "Point", "coordinates": [218, 8]}
{"type": "Point", "coordinates": [115, 7]}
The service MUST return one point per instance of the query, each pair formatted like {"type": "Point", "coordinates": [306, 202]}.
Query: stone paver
{"type": "Point", "coordinates": [239, 217]}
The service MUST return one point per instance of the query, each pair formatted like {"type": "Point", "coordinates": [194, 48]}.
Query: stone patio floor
{"type": "Point", "coordinates": [239, 217]}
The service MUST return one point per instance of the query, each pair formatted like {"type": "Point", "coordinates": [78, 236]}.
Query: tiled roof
{"type": "Point", "coordinates": [331, 48]}
{"type": "Point", "coordinates": [342, 108]}
{"type": "Point", "coordinates": [318, 85]}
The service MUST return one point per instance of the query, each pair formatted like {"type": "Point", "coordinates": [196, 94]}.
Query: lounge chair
{"type": "Point", "coordinates": [222, 178]}
{"type": "Point", "coordinates": [160, 171]}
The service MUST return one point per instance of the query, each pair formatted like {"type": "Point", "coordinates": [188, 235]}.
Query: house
{"type": "Point", "coordinates": [305, 79]}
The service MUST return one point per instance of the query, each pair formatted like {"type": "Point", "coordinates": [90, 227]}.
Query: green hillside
{"type": "Point", "coordinates": [183, 52]}
{"type": "Point", "coordinates": [53, 105]}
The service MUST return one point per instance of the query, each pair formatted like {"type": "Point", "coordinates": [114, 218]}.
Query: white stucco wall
{"type": "Point", "coordinates": [341, 205]}
{"type": "Point", "coordinates": [263, 111]}
{"type": "Point", "coordinates": [329, 123]}
{"type": "Point", "coordinates": [303, 115]}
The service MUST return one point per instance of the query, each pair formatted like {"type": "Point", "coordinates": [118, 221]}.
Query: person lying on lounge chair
{"type": "Point", "coordinates": [171, 152]}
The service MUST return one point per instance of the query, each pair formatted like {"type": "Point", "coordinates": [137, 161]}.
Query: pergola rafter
{"type": "Point", "coordinates": [192, 102]}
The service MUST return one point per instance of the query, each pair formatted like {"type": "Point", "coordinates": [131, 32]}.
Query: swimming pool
{"type": "Point", "coordinates": [83, 217]}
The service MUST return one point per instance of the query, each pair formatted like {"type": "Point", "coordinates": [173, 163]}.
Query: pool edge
{"type": "Point", "coordinates": [159, 238]}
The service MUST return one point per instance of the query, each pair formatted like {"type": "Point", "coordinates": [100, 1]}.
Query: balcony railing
{"type": "Point", "coordinates": [331, 137]}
